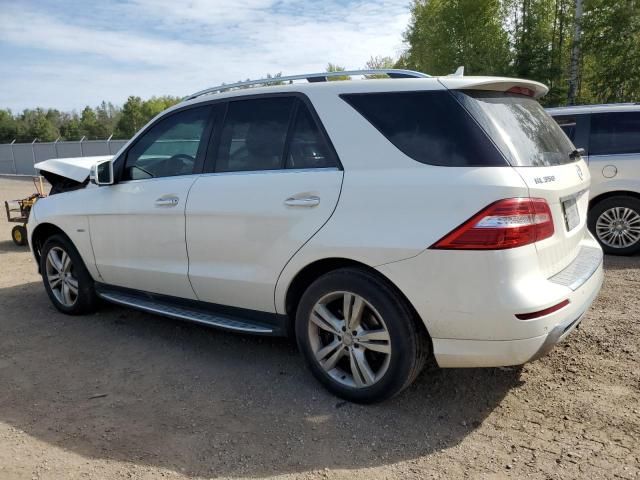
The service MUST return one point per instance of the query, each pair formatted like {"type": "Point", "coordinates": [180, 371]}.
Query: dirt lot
{"type": "Point", "coordinates": [121, 394]}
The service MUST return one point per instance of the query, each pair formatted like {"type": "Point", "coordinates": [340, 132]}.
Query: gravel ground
{"type": "Point", "coordinates": [121, 394]}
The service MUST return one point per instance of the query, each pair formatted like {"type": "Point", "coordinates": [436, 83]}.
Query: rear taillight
{"type": "Point", "coordinates": [508, 223]}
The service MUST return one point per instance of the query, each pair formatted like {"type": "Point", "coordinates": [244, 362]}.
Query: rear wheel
{"type": "Point", "coordinates": [66, 279]}
{"type": "Point", "coordinates": [615, 222]}
{"type": "Point", "coordinates": [19, 235]}
{"type": "Point", "coordinates": [359, 337]}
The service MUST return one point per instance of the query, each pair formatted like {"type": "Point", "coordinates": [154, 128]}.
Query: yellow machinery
{"type": "Point", "coordinates": [18, 212]}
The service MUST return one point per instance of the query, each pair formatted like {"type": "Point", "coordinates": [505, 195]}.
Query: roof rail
{"type": "Point", "coordinates": [310, 77]}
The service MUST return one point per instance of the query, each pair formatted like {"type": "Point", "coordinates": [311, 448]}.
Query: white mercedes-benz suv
{"type": "Point", "coordinates": [379, 221]}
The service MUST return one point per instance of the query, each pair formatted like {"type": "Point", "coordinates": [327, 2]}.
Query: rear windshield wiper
{"type": "Point", "coordinates": [577, 153]}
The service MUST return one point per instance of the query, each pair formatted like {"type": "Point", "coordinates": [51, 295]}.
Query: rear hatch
{"type": "Point", "coordinates": [536, 147]}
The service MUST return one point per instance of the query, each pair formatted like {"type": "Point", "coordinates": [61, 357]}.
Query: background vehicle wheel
{"type": "Point", "coordinates": [359, 337]}
{"type": "Point", "coordinates": [615, 222]}
{"type": "Point", "coordinates": [19, 235]}
{"type": "Point", "coordinates": [66, 279]}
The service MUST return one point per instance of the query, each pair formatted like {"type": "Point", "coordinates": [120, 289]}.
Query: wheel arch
{"type": "Point", "coordinates": [615, 193]}
{"type": "Point", "coordinates": [311, 272]}
{"type": "Point", "coordinates": [39, 236]}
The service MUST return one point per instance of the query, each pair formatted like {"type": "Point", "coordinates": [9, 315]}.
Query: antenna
{"type": "Point", "coordinates": [458, 73]}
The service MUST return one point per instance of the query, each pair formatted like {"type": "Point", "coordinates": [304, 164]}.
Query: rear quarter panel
{"type": "Point", "coordinates": [612, 173]}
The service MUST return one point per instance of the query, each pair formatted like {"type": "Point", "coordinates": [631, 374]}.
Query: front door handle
{"type": "Point", "coordinates": [167, 201]}
{"type": "Point", "coordinates": [302, 202]}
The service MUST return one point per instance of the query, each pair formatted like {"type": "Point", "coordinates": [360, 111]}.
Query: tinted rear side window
{"type": "Point", "coordinates": [615, 133]}
{"type": "Point", "coordinates": [568, 125]}
{"type": "Point", "coordinates": [254, 133]}
{"type": "Point", "coordinates": [307, 147]}
{"type": "Point", "coordinates": [524, 132]}
{"type": "Point", "coordinates": [429, 126]}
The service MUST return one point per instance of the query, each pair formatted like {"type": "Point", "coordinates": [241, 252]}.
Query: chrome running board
{"type": "Point", "coordinates": [148, 303]}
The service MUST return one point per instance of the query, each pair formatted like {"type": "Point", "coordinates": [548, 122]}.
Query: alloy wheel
{"type": "Point", "coordinates": [349, 339]}
{"type": "Point", "coordinates": [62, 281]}
{"type": "Point", "coordinates": [618, 227]}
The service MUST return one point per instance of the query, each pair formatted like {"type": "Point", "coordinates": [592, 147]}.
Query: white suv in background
{"type": "Point", "coordinates": [610, 137]}
{"type": "Point", "coordinates": [379, 221]}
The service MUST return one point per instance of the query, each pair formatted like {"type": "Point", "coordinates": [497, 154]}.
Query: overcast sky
{"type": "Point", "coordinates": [67, 54]}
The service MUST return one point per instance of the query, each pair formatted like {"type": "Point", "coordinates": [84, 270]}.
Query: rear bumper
{"type": "Point", "coordinates": [469, 302]}
{"type": "Point", "coordinates": [453, 353]}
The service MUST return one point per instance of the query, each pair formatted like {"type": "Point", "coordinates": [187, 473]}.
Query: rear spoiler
{"type": "Point", "coordinates": [496, 84]}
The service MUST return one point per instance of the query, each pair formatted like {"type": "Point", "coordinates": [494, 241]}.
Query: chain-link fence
{"type": "Point", "coordinates": [19, 158]}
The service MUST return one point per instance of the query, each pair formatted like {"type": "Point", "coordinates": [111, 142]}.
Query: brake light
{"type": "Point", "coordinates": [508, 223]}
{"type": "Point", "coordinates": [522, 91]}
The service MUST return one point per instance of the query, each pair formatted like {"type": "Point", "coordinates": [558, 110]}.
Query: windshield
{"type": "Point", "coordinates": [524, 132]}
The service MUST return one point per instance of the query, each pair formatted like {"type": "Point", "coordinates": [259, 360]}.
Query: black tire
{"type": "Point", "coordinates": [85, 301]}
{"type": "Point", "coordinates": [408, 340]}
{"type": "Point", "coordinates": [606, 205]}
{"type": "Point", "coordinates": [19, 235]}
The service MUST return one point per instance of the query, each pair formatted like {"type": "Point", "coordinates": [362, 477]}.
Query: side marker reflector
{"type": "Point", "coordinates": [542, 313]}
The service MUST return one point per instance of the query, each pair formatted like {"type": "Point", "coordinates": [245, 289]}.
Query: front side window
{"type": "Point", "coordinates": [614, 133]}
{"type": "Point", "coordinates": [169, 148]}
{"type": "Point", "coordinates": [254, 134]}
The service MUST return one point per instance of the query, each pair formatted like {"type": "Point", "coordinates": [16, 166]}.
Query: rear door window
{"type": "Point", "coordinates": [429, 126]}
{"type": "Point", "coordinates": [614, 133]}
{"type": "Point", "coordinates": [524, 132]}
{"type": "Point", "coordinates": [254, 134]}
{"type": "Point", "coordinates": [568, 125]}
{"type": "Point", "coordinates": [307, 147]}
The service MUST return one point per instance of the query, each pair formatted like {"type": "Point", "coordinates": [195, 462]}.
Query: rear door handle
{"type": "Point", "coordinates": [167, 201]}
{"type": "Point", "coordinates": [302, 202]}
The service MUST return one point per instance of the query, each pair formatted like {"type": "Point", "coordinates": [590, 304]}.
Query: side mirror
{"type": "Point", "coordinates": [102, 173]}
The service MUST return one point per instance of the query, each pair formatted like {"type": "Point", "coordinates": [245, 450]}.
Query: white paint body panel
{"type": "Point", "coordinates": [136, 243]}
{"type": "Point", "coordinates": [626, 178]}
{"type": "Point", "coordinates": [240, 233]}
{"type": "Point", "coordinates": [556, 252]}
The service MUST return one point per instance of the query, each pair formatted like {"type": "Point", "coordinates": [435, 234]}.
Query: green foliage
{"type": "Point", "coordinates": [530, 39]}
{"type": "Point", "coordinates": [92, 123]}
{"type": "Point", "coordinates": [8, 126]}
{"type": "Point", "coordinates": [611, 51]}
{"type": "Point", "coordinates": [137, 112]}
{"type": "Point", "coordinates": [35, 124]}
{"type": "Point", "coordinates": [444, 34]}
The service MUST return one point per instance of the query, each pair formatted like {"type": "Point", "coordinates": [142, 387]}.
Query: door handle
{"type": "Point", "coordinates": [302, 202]}
{"type": "Point", "coordinates": [167, 201]}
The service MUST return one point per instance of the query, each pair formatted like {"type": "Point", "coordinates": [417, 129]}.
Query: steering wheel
{"type": "Point", "coordinates": [186, 161]}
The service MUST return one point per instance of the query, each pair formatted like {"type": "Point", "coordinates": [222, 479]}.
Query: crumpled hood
{"type": "Point", "coordinates": [77, 168]}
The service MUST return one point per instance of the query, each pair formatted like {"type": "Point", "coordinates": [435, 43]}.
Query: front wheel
{"type": "Point", "coordinates": [359, 336]}
{"type": "Point", "coordinates": [66, 279]}
{"type": "Point", "coordinates": [615, 222]}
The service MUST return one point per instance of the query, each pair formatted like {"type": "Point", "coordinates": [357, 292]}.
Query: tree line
{"type": "Point", "coordinates": [585, 51]}
{"type": "Point", "coordinates": [534, 39]}
{"type": "Point", "coordinates": [104, 121]}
